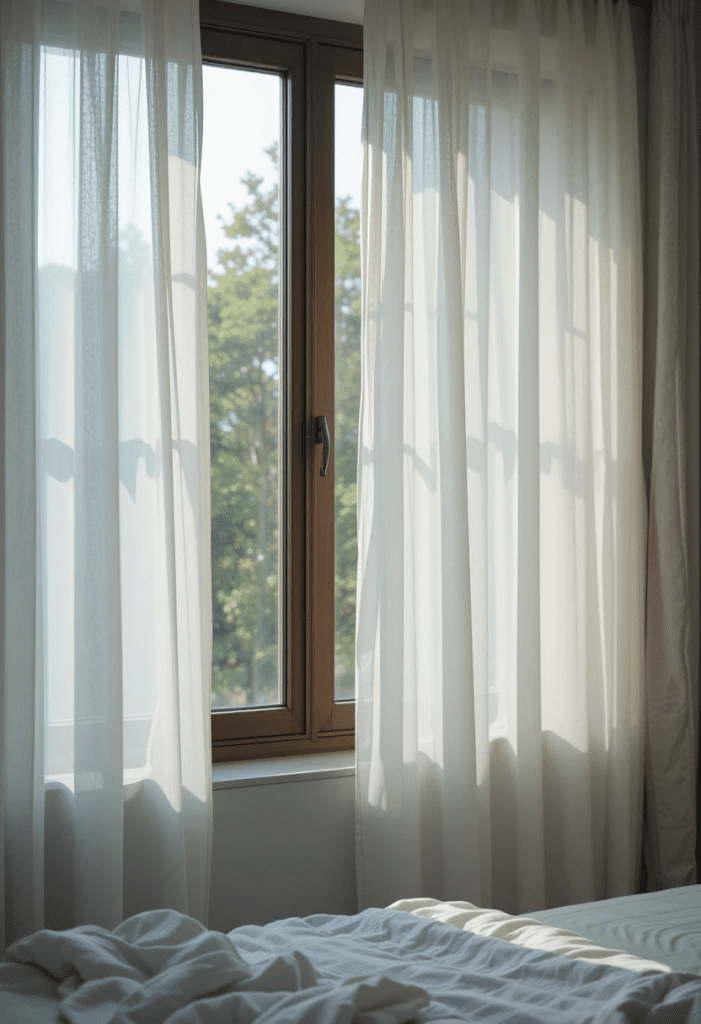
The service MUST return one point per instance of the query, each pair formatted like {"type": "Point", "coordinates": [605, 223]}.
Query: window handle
{"type": "Point", "coordinates": [322, 435]}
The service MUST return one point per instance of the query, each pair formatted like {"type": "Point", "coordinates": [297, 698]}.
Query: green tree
{"type": "Point", "coordinates": [243, 360]}
{"type": "Point", "coordinates": [347, 402]}
{"type": "Point", "coordinates": [244, 390]}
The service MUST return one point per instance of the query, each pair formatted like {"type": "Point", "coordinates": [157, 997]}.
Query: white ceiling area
{"type": "Point", "coordinates": [338, 10]}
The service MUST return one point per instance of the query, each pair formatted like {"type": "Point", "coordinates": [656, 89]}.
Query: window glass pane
{"type": "Point", "coordinates": [241, 199]}
{"type": "Point", "coordinates": [348, 170]}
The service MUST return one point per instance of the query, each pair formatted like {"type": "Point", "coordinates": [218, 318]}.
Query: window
{"type": "Point", "coordinates": [280, 183]}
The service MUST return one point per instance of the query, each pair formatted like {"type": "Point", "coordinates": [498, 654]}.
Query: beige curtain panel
{"type": "Point", "coordinates": [672, 446]}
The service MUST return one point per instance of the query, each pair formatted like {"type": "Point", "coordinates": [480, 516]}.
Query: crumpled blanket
{"type": "Point", "coordinates": [161, 966]}
{"type": "Point", "coordinates": [378, 967]}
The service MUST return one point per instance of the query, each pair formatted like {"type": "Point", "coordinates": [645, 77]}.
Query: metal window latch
{"type": "Point", "coordinates": [322, 436]}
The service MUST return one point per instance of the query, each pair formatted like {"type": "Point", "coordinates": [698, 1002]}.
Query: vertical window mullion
{"type": "Point", "coordinates": [322, 388]}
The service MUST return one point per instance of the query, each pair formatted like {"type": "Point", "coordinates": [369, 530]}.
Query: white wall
{"type": "Point", "coordinates": [283, 850]}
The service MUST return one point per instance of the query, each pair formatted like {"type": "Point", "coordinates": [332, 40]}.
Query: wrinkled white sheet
{"type": "Point", "coordinates": [533, 933]}
{"type": "Point", "coordinates": [380, 967]}
{"type": "Point", "coordinates": [162, 966]}
{"type": "Point", "coordinates": [663, 925]}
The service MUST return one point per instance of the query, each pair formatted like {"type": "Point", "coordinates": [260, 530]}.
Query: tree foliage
{"type": "Point", "coordinates": [347, 373]}
{"type": "Point", "coordinates": [244, 393]}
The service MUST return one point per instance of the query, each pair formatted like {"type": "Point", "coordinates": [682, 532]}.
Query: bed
{"type": "Point", "coordinates": [418, 960]}
{"type": "Point", "coordinates": [663, 926]}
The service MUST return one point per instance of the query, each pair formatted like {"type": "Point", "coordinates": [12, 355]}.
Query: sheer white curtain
{"type": "Point", "coordinates": [501, 491]}
{"type": "Point", "coordinates": [105, 769]}
{"type": "Point", "coordinates": [672, 446]}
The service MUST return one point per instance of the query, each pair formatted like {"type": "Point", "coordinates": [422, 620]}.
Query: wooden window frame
{"type": "Point", "coordinates": [312, 54]}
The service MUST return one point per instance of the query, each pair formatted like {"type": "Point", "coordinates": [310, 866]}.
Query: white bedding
{"type": "Point", "coordinates": [379, 967]}
{"type": "Point", "coordinates": [529, 932]}
{"type": "Point", "coordinates": [664, 926]}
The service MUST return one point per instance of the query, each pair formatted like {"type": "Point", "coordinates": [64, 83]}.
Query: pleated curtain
{"type": "Point", "coordinates": [105, 784]}
{"type": "Point", "coordinates": [671, 444]}
{"type": "Point", "coordinates": [501, 496]}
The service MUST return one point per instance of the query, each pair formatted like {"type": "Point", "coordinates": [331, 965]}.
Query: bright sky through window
{"type": "Point", "coordinates": [234, 142]}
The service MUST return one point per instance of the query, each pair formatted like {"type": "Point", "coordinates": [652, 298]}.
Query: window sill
{"type": "Point", "coordinates": [278, 770]}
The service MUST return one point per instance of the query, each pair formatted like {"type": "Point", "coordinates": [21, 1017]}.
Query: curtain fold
{"type": "Point", "coordinates": [105, 772]}
{"type": "Point", "coordinates": [501, 497]}
{"type": "Point", "coordinates": [672, 447]}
